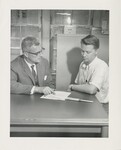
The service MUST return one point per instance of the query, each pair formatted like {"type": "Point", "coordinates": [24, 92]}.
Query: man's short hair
{"type": "Point", "coordinates": [28, 41]}
{"type": "Point", "coordinates": [91, 40]}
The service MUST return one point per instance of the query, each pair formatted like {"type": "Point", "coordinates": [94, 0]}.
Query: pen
{"type": "Point", "coordinates": [77, 99]}
{"type": "Point", "coordinates": [83, 100]}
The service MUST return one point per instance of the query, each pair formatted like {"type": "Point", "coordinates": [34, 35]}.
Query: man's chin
{"type": "Point", "coordinates": [37, 62]}
{"type": "Point", "coordinates": [86, 61]}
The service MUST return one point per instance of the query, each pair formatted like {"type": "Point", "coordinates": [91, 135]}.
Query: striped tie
{"type": "Point", "coordinates": [34, 75]}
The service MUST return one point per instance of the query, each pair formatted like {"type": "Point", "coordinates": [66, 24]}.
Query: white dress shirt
{"type": "Point", "coordinates": [97, 74]}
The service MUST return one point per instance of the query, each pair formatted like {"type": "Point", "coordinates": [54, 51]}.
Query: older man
{"type": "Point", "coordinates": [30, 71]}
{"type": "Point", "coordinates": [92, 77]}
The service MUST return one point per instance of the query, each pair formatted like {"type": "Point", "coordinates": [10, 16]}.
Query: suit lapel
{"type": "Point", "coordinates": [27, 70]}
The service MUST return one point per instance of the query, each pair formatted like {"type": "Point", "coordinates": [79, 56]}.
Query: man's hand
{"type": "Point", "coordinates": [45, 90]}
{"type": "Point", "coordinates": [70, 88]}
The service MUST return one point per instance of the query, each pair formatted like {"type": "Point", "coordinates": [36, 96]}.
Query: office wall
{"type": "Point", "coordinates": [24, 23]}
{"type": "Point", "coordinates": [29, 22]}
{"type": "Point", "coordinates": [103, 51]}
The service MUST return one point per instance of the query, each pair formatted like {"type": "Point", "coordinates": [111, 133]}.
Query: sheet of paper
{"type": "Point", "coordinates": [59, 95]}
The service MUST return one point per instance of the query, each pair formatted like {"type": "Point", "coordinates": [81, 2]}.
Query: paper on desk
{"type": "Point", "coordinates": [59, 95]}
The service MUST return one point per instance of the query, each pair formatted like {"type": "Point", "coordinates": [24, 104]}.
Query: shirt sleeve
{"type": "Point", "coordinates": [99, 76]}
{"type": "Point", "coordinates": [76, 80]}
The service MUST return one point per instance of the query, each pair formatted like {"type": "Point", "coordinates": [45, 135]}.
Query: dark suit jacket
{"type": "Point", "coordinates": [21, 77]}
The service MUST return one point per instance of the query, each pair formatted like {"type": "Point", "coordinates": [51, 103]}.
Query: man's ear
{"type": "Point", "coordinates": [25, 54]}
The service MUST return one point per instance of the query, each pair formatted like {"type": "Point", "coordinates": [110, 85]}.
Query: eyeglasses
{"type": "Point", "coordinates": [36, 54]}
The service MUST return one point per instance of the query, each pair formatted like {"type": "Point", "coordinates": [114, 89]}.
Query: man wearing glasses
{"type": "Point", "coordinates": [92, 77]}
{"type": "Point", "coordinates": [30, 72]}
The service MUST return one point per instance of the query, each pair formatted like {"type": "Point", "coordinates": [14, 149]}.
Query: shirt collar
{"type": "Point", "coordinates": [84, 66]}
{"type": "Point", "coordinates": [28, 63]}
{"type": "Point", "coordinates": [93, 61]}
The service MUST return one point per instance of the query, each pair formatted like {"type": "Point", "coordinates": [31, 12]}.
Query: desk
{"type": "Point", "coordinates": [29, 113]}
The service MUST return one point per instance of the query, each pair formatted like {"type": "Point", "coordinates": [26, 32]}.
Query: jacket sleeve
{"type": "Point", "coordinates": [17, 87]}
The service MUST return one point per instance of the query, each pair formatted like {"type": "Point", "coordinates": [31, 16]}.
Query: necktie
{"type": "Point", "coordinates": [85, 72]}
{"type": "Point", "coordinates": [34, 75]}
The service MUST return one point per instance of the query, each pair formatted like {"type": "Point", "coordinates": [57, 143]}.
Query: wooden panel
{"type": "Point", "coordinates": [68, 59]}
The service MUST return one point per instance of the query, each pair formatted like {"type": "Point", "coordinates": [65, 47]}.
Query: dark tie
{"type": "Point", "coordinates": [34, 75]}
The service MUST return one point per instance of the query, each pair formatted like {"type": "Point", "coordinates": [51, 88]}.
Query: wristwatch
{"type": "Point", "coordinates": [71, 87]}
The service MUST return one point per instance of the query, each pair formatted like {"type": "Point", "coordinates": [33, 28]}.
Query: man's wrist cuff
{"type": "Point", "coordinates": [32, 90]}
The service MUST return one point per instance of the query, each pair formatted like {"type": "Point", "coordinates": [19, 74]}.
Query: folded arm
{"type": "Point", "coordinates": [86, 88]}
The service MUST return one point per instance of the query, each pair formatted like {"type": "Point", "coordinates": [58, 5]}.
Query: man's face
{"type": "Point", "coordinates": [88, 53]}
{"type": "Point", "coordinates": [34, 54]}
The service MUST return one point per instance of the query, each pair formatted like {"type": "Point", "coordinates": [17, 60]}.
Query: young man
{"type": "Point", "coordinates": [30, 72]}
{"type": "Point", "coordinates": [92, 77]}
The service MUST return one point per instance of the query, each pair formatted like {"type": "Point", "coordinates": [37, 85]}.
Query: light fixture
{"type": "Point", "coordinates": [69, 20]}
{"type": "Point", "coordinates": [64, 14]}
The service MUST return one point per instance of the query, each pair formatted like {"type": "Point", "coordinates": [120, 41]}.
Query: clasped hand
{"type": "Point", "coordinates": [70, 87]}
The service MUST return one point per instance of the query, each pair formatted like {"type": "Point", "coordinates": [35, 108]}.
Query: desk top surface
{"type": "Point", "coordinates": [30, 109]}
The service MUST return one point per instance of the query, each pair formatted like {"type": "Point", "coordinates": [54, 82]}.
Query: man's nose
{"type": "Point", "coordinates": [84, 53]}
{"type": "Point", "coordinates": [40, 53]}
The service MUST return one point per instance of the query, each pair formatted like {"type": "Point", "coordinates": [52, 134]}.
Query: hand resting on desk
{"type": "Point", "coordinates": [45, 90]}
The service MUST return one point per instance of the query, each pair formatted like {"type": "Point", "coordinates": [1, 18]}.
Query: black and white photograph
{"type": "Point", "coordinates": [60, 75]}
